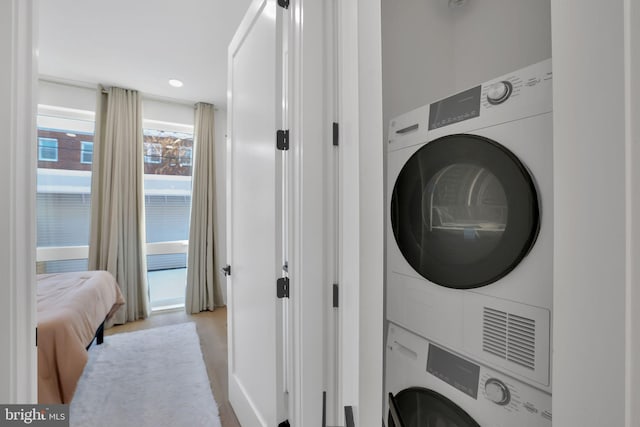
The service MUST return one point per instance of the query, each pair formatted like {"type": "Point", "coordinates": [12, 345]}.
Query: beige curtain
{"type": "Point", "coordinates": [203, 284]}
{"type": "Point", "coordinates": [117, 240]}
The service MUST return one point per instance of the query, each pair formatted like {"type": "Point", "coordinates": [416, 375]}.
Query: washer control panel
{"type": "Point", "coordinates": [506, 400]}
{"type": "Point", "coordinates": [514, 399]}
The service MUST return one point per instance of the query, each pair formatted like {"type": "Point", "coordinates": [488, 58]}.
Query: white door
{"type": "Point", "coordinates": [254, 220]}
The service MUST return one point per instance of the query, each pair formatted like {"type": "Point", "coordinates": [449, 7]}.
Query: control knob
{"type": "Point", "coordinates": [497, 93]}
{"type": "Point", "coordinates": [497, 391]}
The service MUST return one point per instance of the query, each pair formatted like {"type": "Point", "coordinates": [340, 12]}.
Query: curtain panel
{"type": "Point", "coordinates": [203, 282]}
{"type": "Point", "coordinates": [117, 238]}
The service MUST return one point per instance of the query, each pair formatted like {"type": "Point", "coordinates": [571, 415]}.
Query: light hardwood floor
{"type": "Point", "coordinates": [212, 330]}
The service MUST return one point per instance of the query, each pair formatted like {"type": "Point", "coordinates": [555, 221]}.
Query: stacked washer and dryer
{"type": "Point", "coordinates": [470, 257]}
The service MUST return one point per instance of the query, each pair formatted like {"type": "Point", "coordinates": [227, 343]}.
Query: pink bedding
{"type": "Point", "coordinates": [71, 307]}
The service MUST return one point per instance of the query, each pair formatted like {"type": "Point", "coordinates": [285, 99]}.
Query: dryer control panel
{"type": "Point", "coordinates": [461, 106]}
{"type": "Point", "coordinates": [523, 93]}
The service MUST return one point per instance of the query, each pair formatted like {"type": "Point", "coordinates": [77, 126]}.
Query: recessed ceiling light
{"type": "Point", "coordinates": [457, 3]}
{"type": "Point", "coordinates": [175, 83]}
{"type": "Point", "coordinates": [72, 135]}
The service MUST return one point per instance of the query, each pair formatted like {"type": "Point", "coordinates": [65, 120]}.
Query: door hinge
{"type": "Point", "coordinates": [283, 287]}
{"type": "Point", "coordinates": [36, 336]}
{"type": "Point", "coordinates": [282, 140]}
{"type": "Point", "coordinates": [336, 296]}
{"type": "Point", "coordinates": [336, 134]}
{"type": "Point", "coordinates": [285, 423]}
{"type": "Point", "coordinates": [283, 3]}
{"type": "Point", "coordinates": [226, 270]}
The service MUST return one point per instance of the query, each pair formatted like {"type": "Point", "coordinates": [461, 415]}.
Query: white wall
{"type": "Point", "coordinates": [66, 96]}
{"type": "Point", "coordinates": [596, 202]}
{"type": "Point", "coordinates": [417, 59]}
{"type": "Point", "coordinates": [431, 51]}
{"type": "Point", "coordinates": [494, 37]}
{"type": "Point", "coordinates": [160, 110]}
{"type": "Point", "coordinates": [632, 46]}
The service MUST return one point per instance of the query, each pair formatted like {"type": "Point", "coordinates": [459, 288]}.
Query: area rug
{"type": "Point", "coordinates": [149, 378]}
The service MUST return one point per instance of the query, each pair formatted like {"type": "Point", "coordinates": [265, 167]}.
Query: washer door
{"type": "Point", "coordinates": [420, 407]}
{"type": "Point", "coordinates": [464, 211]}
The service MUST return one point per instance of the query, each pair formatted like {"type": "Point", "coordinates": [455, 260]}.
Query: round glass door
{"type": "Point", "coordinates": [420, 407]}
{"type": "Point", "coordinates": [464, 211]}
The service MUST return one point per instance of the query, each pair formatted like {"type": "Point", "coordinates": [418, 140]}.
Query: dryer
{"type": "Point", "coordinates": [432, 385]}
{"type": "Point", "coordinates": [470, 225]}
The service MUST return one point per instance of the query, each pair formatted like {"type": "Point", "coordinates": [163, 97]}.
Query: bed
{"type": "Point", "coordinates": [72, 309]}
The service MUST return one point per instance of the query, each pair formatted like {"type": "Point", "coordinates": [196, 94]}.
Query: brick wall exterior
{"type": "Point", "coordinates": [68, 150]}
{"type": "Point", "coordinates": [173, 161]}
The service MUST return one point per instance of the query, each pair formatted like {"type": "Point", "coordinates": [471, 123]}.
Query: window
{"type": "Point", "coordinates": [86, 152]}
{"type": "Point", "coordinates": [63, 198]}
{"type": "Point", "coordinates": [47, 149]}
{"type": "Point", "coordinates": [152, 153]}
{"type": "Point", "coordinates": [167, 190]}
{"type": "Point", "coordinates": [184, 156]}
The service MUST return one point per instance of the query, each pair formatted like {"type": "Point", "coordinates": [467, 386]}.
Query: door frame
{"type": "Point", "coordinates": [307, 164]}
{"type": "Point", "coordinates": [361, 209]}
{"type": "Point", "coordinates": [18, 371]}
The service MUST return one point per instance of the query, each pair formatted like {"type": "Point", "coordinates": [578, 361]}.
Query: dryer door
{"type": "Point", "coordinates": [464, 211]}
{"type": "Point", "coordinates": [420, 407]}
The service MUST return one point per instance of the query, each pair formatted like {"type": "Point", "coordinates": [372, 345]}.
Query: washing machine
{"type": "Point", "coordinates": [470, 224]}
{"type": "Point", "coordinates": [432, 385]}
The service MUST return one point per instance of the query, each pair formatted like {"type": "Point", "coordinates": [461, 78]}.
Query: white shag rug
{"type": "Point", "coordinates": [149, 378]}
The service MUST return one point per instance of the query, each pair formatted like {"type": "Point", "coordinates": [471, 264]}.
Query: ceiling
{"type": "Point", "coordinates": [141, 44]}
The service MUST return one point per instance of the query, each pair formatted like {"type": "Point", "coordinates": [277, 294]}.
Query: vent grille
{"type": "Point", "coordinates": [510, 337]}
